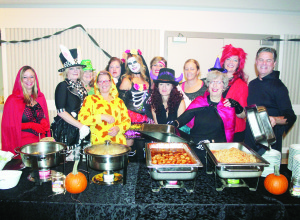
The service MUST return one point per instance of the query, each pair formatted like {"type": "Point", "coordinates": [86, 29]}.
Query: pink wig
{"type": "Point", "coordinates": [230, 51]}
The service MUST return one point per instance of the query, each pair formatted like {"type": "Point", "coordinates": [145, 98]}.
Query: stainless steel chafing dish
{"type": "Point", "coordinates": [236, 170]}
{"type": "Point", "coordinates": [171, 175]}
{"type": "Point", "coordinates": [234, 174]}
{"type": "Point", "coordinates": [260, 125]}
{"type": "Point", "coordinates": [172, 171]}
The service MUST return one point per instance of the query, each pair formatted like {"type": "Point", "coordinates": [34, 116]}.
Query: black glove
{"type": "Point", "coordinates": [174, 123]}
{"type": "Point", "coordinates": [238, 108]}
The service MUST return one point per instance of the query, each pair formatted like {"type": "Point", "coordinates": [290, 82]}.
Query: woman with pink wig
{"type": "Point", "coordinates": [233, 60]}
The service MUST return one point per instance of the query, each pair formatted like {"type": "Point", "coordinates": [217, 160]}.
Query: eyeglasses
{"type": "Point", "coordinates": [104, 81]}
{"type": "Point", "coordinates": [216, 82]}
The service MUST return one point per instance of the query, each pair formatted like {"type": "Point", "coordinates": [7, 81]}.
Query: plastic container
{"type": "Point", "coordinates": [9, 178]}
{"type": "Point", "coordinates": [5, 157]}
{"type": "Point", "coordinates": [274, 158]}
{"type": "Point", "coordinates": [295, 186]}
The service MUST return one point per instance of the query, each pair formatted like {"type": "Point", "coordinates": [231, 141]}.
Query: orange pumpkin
{"type": "Point", "coordinates": [75, 182]}
{"type": "Point", "coordinates": [276, 183]}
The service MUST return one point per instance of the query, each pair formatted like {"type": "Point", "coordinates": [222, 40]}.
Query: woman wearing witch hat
{"type": "Point", "coordinates": [69, 96]}
{"type": "Point", "coordinates": [211, 117]}
{"type": "Point", "coordinates": [167, 102]}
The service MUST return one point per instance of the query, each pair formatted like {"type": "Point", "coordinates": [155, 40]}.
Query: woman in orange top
{"type": "Point", "coordinates": [105, 112]}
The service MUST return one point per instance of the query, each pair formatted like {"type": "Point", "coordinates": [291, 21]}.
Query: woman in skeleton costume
{"type": "Point", "coordinates": [134, 90]}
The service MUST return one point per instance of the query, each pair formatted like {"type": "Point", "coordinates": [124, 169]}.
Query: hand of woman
{"type": "Point", "coordinates": [45, 124]}
{"type": "Point", "coordinates": [34, 126]}
{"type": "Point", "coordinates": [113, 131]}
{"type": "Point", "coordinates": [108, 118]}
{"type": "Point", "coordinates": [84, 131]}
{"type": "Point", "coordinates": [232, 103]}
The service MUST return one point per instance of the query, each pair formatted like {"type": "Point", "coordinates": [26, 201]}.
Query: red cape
{"type": "Point", "coordinates": [12, 116]}
{"type": "Point", "coordinates": [239, 92]}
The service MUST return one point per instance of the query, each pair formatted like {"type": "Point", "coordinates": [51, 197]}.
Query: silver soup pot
{"type": "Point", "coordinates": [42, 154]}
{"type": "Point", "coordinates": [107, 156]}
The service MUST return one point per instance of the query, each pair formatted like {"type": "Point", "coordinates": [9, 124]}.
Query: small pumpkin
{"type": "Point", "coordinates": [276, 183]}
{"type": "Point", "coordinates": [75, 181]}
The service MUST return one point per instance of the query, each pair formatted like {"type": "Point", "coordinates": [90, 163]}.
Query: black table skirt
{"type": "Point", "coordinates": [135, 200]}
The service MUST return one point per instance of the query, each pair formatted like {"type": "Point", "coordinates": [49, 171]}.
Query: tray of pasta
{"type": "Point", "coordinates": [234, 160]}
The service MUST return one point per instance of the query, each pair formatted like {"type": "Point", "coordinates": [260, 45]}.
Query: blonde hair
{"type": "Point", "coordinates": [91, 83]}
{"type": "Point", "coordinates": [215, 74]}
{"type": "Point", "coordinates": [156, 60]}
{"type": "Point", "coordinates": [65, 73]}
{"type": "Point", "coordinates": [34, 93]}
{"type": "Point", "coordinates": [128, 74]}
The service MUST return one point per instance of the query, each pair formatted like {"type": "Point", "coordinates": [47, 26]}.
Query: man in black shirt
{"type": "Point", "coordinates": [269, 91]}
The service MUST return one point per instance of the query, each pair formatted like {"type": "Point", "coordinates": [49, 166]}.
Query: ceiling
{"type": "Point", "coordinates": [268, 6]}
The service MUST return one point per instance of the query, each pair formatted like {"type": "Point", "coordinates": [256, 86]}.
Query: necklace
{"type": "Point", "coordinates": [32, 102]}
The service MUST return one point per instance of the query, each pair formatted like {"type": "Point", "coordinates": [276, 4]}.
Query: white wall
{"type": "Point", "coordinates": [183, 20]}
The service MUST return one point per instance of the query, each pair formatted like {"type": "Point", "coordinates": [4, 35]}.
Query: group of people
{"type": "Point", "coordinates": [110, 105]}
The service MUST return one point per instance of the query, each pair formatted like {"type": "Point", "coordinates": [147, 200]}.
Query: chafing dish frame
{"type": "Point", "coordinates": [233, 170]}
{"type": "Point", "coordinates": [169, 172]}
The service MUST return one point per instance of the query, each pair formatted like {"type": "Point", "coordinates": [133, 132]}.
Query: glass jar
{"type": "Point", "coordinates": [58, 182]}
{"type": "Point", "coordinates": [295, 186]}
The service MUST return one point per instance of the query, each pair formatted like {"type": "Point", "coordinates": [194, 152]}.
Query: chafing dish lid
{"type": "Point", "coordinates": [107, 148]}
{"type": "Point", "coordinates": [164, 133]}
{"type": "Point", "coordinates": [260, 125]}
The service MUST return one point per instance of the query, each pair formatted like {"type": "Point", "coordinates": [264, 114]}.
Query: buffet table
{"type": "Point", "coordinates": [135, 200]}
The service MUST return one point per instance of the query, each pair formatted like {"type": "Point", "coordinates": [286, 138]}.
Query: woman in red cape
{"type": "Point", "coordinates": [233, 60]}
{"type": "Point", "coordinates": [25, 117]}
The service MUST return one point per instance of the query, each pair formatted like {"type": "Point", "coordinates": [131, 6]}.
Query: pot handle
{"type": "Point", "coordinates": [18, 151]}
{"type": "Point", "coordinates": [131, 154]}
{"type": "Point", "coordinates": [66, 152]}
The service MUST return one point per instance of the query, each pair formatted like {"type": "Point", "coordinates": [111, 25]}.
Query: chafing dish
{"type": "Point", "coordinates": [260, 125]}
{"type": "Point", "coordinates": [230, 173]}
{"type": "Point", "coordinates": [172, 171]}
{"type": "Point", "coordinates": [172, 175]}
{"type": "Point", "coordinates": [42, 154]}
{"type": "Point", "coordinates": [108, 157]}
{"type": "Point", "coordinates": [236, 170]}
